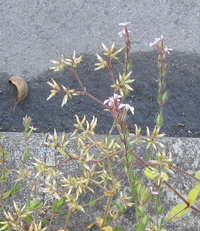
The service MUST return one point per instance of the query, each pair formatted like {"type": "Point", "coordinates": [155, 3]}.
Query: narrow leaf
{"type": "Point", "coordinates": [192, 195]}
{"type": "Point", "coordinates": [117, 228]}
{"type": "Point", "coordinates": [177, 209]}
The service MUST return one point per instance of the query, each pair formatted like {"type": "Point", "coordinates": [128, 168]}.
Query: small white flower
{"type": "Point", "coordinates": [127, 107]}
{"type": "Point", "coordinates": [124, 23]}
{"type": "Point", "coordinates": [168, 50]}
{"type": "Point", "coordinates": [155, 41]}
{"type": "Point", "coordinates": [151, 189]}
{"type": "Point", "coordinates": [121, 33]}
{"type": "Point", "coordinates": [110, 100]}
{"type": "Point", "coordinates": [31, 127]}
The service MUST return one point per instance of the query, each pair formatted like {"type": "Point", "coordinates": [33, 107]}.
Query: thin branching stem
{"type": "Point", "coordinates": [49, 226]}
{"type": "Point", "coordinates": [185, 173]}
{"type": "Point", "coordinates": [67, 221]}
{"type": "Point", "coordinates": [173, 189]}
{"type": "Point", "coordinates": [107, 210]}
{"type": "Point", "coordinates": [104, 189]}
{"type": "Point", "coordinates": [108, 159]}
{"type": "Point", "coordinates": [84, 89]}
{"type": "Point", "coordinates": [3, 168]}
{"type": "Point", "coordinates": [111, 72]}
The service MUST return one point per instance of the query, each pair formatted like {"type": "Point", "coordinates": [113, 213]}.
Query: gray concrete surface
{"type": "Point", "coordinates": [185, 152]}
{"type": "Point", "coordinates": [34, 32]}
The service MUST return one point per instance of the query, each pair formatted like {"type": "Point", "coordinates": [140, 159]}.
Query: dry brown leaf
{"type": "Point", "coordinates": [22, 88]}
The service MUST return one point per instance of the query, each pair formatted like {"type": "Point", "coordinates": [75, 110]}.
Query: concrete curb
{"type": "Point", "coordinates": [185, 152]}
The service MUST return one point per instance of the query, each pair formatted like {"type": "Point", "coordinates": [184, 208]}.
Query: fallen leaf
{"type": "Point", "coordinates": [22, 88]}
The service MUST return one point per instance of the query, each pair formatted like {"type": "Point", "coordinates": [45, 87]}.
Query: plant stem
{"type": "Point", "coordinates": [136, 211]}
{"type": "Point", "coordinates": [68, 216]}
{"type": "Point", "coordinates": [94, 182]}
{"type": "Point", "coordinates": [185, 173]}
{"type": "Point", "coordinates": [107, 210]}
{"type": "Point", "coordinates": [111, 73]}
{"type": "Point", "coordinates": [50, 222]}
{"type": "Point", "coordinates": [4, 204]}
{"type": "Point", "coordinates": [111, 130]}
{"type": "Point", "coordinates": [107, 155]}
{"type": "Point", "coordinates": [165, 182]}
{"type": "Point", "coordinates": [3, 184]}
{"type": "Point", "coordinates": [84, 89]}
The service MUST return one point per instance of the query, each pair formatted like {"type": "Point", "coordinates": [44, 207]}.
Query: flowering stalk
{"type": "Point", "coordinates": [162, 98]}
{"type": "Point", "coordinates": [127, 41]}
{"type": "Point", "coordinates": [122, 125]}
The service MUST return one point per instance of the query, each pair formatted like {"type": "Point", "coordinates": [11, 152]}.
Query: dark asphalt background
{"type": "Point", "coordinates": [34, 32]}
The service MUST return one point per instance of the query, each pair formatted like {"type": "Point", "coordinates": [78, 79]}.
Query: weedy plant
{"type": "Point", "coordinates": [157, 167]}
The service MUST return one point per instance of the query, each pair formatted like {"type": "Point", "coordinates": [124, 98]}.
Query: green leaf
{"type": "Point", "coordinates": [160, 192]}
{"type": "Point", "coordinates": [117, 228]}
{"type": "Point", "coordinates": [1, 225]}
{"type": "Point", "coordinates": [114, 203]}
{"type": "Point", "coordinates": [26, 155]}
{"type": "Point", "coordinates": [148, 173]}
{"type": "Point", "coordinates": [136, 226]}
{"type": "Point", "coordinates": [34, 204]}
{"type": "Point", "coordinates": [129, 66]}
{"type": "Point", "coordinates": [164, 97]}
{"type": "Point", "coordinates": [164, 176]}
{"type": "Point", "coordinates": [92, 202]}
{"type": "Point", "coordinates": [162, 222]}
{"type": "Point", "coordinates": [28, 203]}
{"type": "Point", "coordinates": [161, 209]}
{"type": "Point", "coordinates": [130, 158]}
{"type": "Point", "coordinates": [159, 99]}
{"type": "Point", "coordinates": [126, 92]}
{"type": "Point", "coordinates": [142, 209]}
{"type": "Point", "coordinates": [145, 221]}
{"type": "Point", "coordinates": [107, 220]}
{"type": "Point", "coordinates": [169, 218]}
{"type": "Point", "coordinates": [198, 186]}
{"type": "Point", "coordinates": [161, 85]}
{"type": "Point", "coordinates": [58, 204]}
{"type": "Point", "coordinates": [30, 133]}
{"type": "Point", "coordinates": [192, 195]}
{"type": "Point", "coordinates": [83, 174]}
{"type": "Point", "coordinates": [164, 71]}
{"type": "Point", "coordinates": [6, 194]}
{"type": "Point", "coordinates": [62, 212]}
{"type": "Point", "coordinates": [28, 219]}
{"type": "Point", "coordinates": [159, 120]}
{"type": "Point", "coordinates": [103, 164]}
{"type": "Point", "coordinates": [15, 190]}
{"type": "Point", "coordinates": [45, 222]}
{"type": "Point", "coordinates": [4, 176]}
{"type": "Point", "coordinates": [197, 175]}
{"type": "Point", "coordinates": [177, 209]}
{"type": "Point", "coordinates": [147, 156]}
{"type": "Point", "coordinates": [122, 210]}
